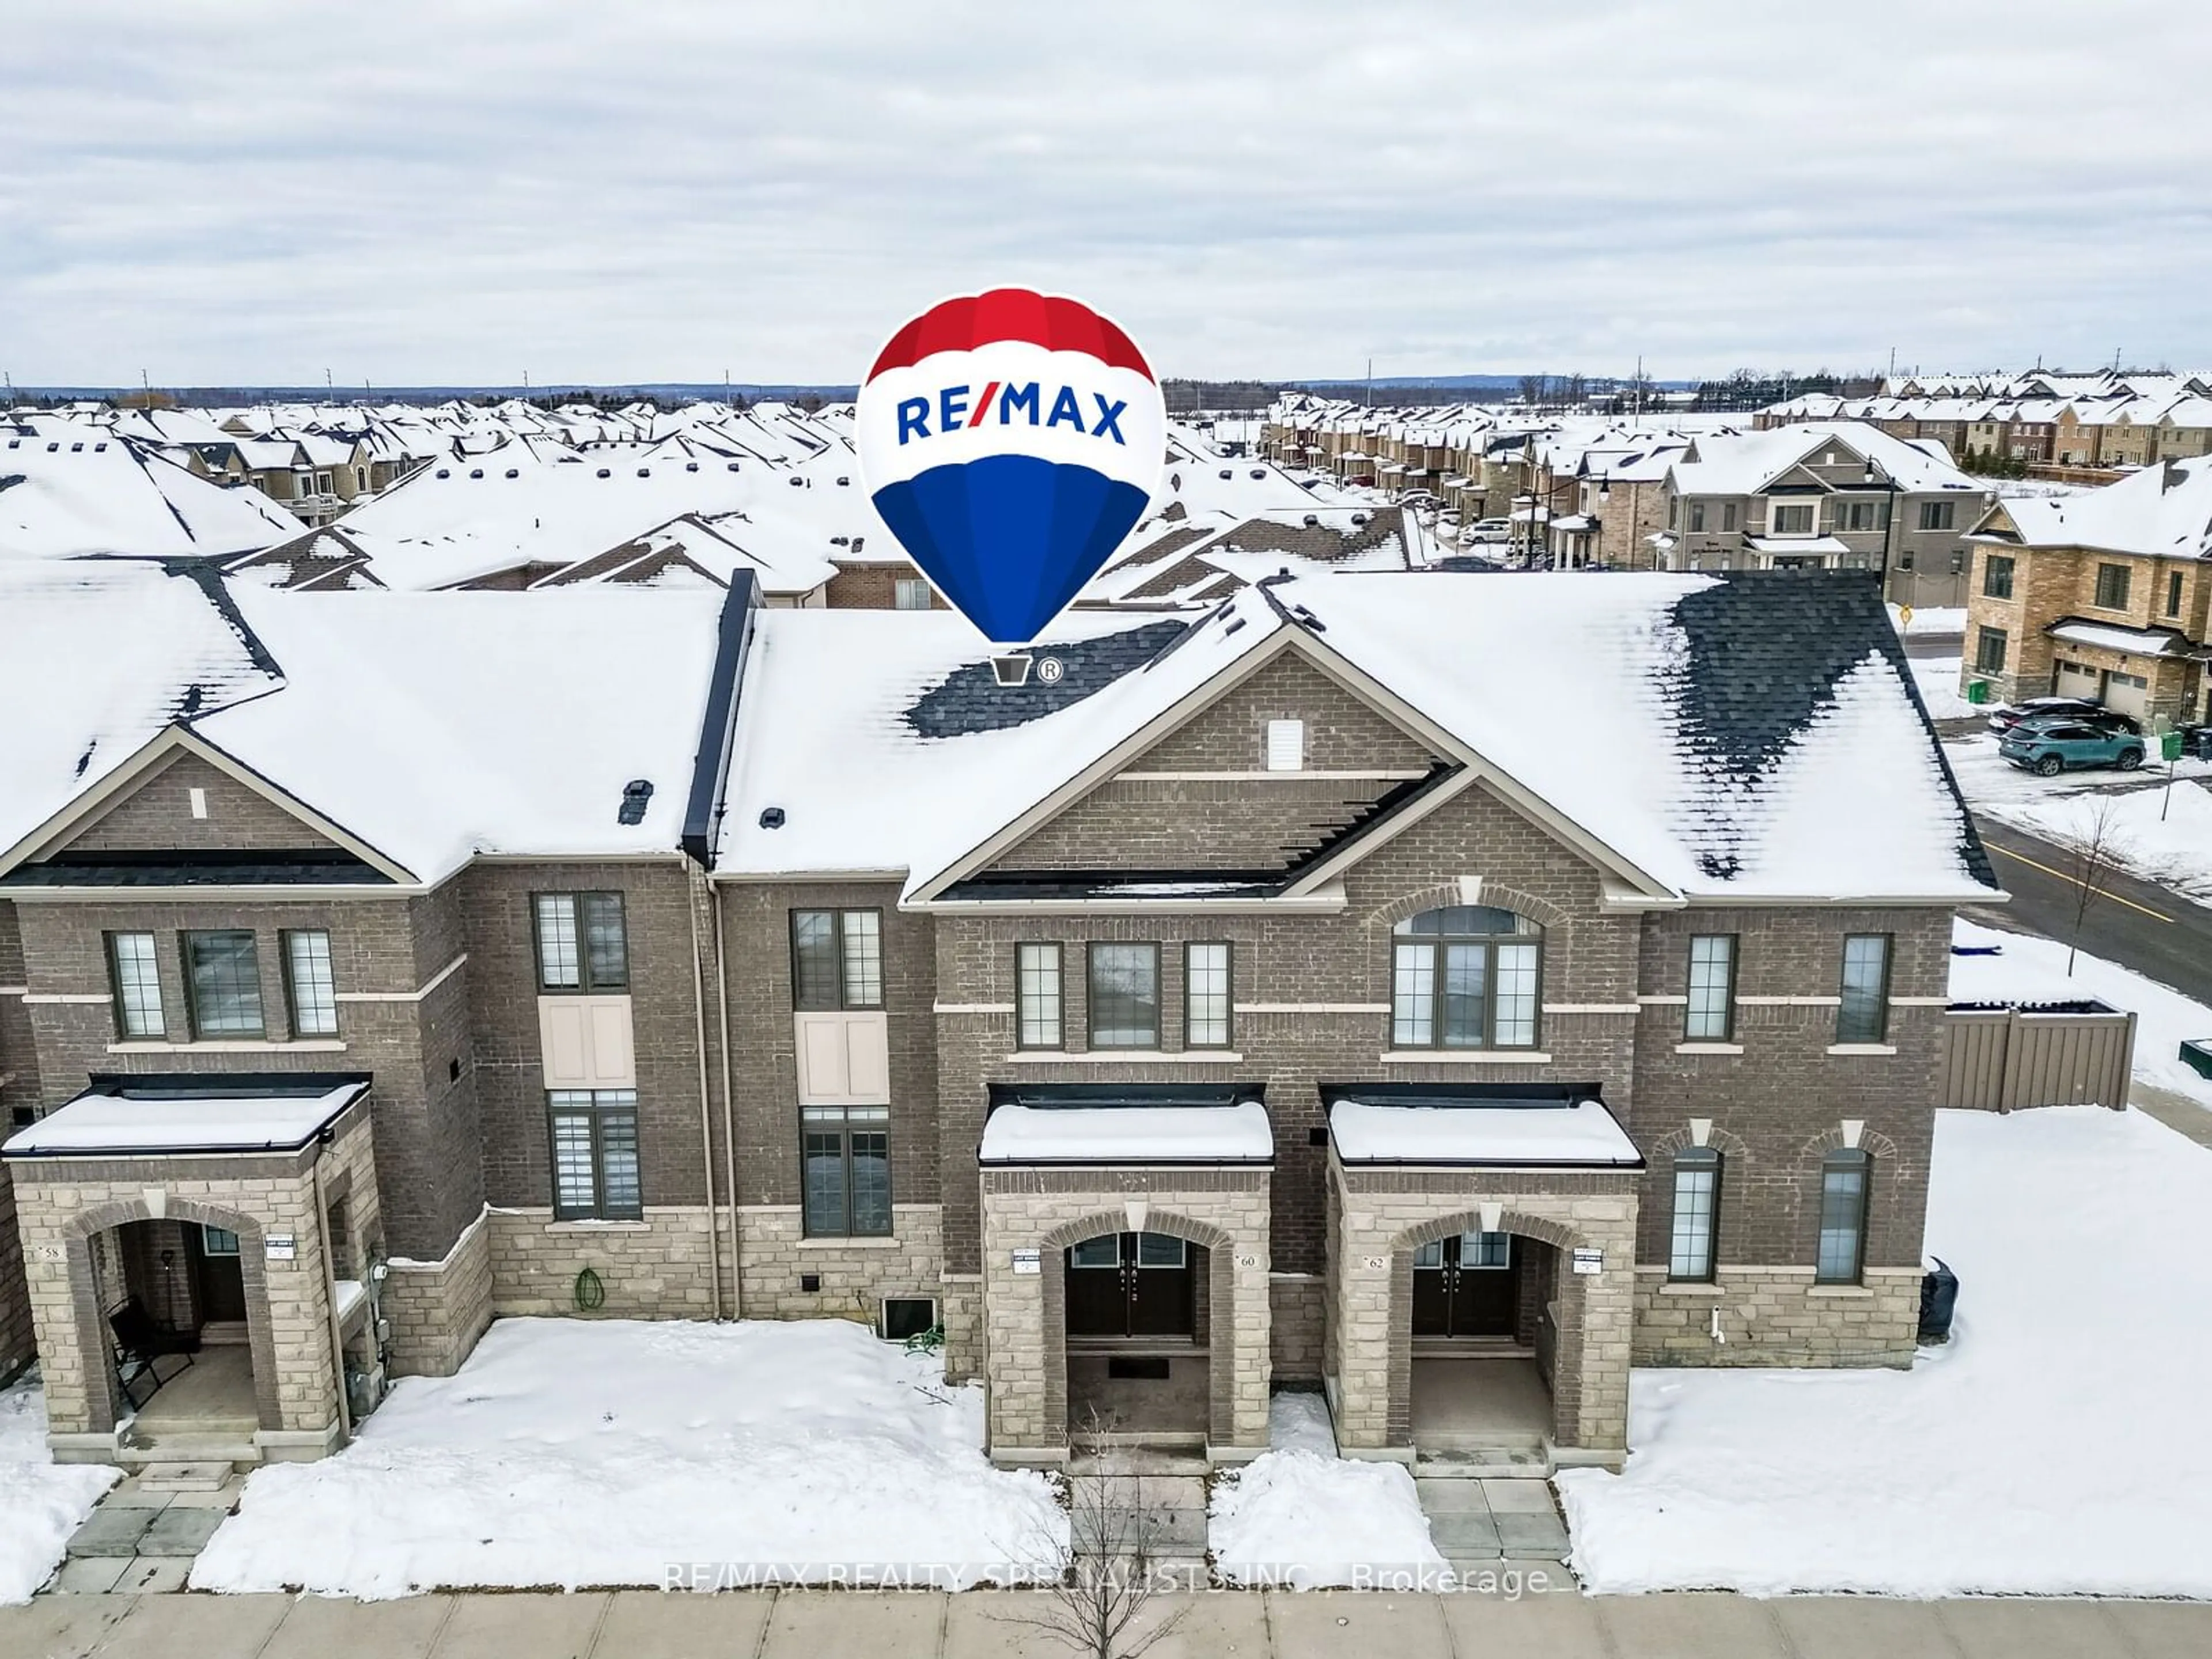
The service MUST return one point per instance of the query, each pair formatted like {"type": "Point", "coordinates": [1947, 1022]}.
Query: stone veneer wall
{"type": "Point", "coordinates": [1300, 1304]}
{"type": "Point", "coordinates": [857, 1273]}
{"type": "Point", "coordinates": [1778, 1317]}
{"type": "Point", "coordinates": [437, 1309]}
{"type": "Point", "coordinates": [18, 1347]}
{"type": "Point", "coordinates": [1378, 1216]}
{"type": "Point", "coordinates": [661, 1268]}
{"type": "Point", "coordinates": [1025, 1314]}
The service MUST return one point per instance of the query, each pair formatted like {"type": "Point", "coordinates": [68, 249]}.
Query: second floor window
{"type": "Point", "coordinates": [1125, 996]}
{"type": "Point", "coordinates": [1997, 577]}
{"type": "Point", "coordinates": [138, 986]}
{"type": "Point", "coordinates": [1206, 980]}
{"type": "Point", "coordinates": [1465, 977]}
{"type": "Point", "coordinates": [583, 943]}
{"type": "Point", "coordinates": [308, 986]}
{"type": "Point", "coordinates": [1863, 1014]}
{"type": "Point", "coordinates": [836, 959]}
{"type": "Point", "coordinates": [909, 593]}
{"type": "Point", "coordinates": [1696, 515]}
{"type": "Point", "coordinates": [1793, 518]}
{"type": "Point", "coordinates": [2112, 582]}
{"type": "Point", "coordinates": [222, 980]}
{"type": "Point", "coordinates": [1938, 515]}
{"type": "Point", "coordinates": [2173, 594]}
{"type": "Point", "coordinates": [1036, 997]}
{"type": "Point", "coordinates": [1991, 646]}
{"type": "Point", "coordinates": [1711, 1013]}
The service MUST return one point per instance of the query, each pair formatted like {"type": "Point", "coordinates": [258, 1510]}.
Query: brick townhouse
{"type": "Point", "coordinates": [1245, 1002]}
{"type": "Point", "coordinates": [2102, 595]}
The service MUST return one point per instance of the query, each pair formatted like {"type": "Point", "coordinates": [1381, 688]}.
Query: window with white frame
{"type": "Point", "coordinates": [1037, 1006]}
{"type": "Point", "coordinates": [138, 983]}
{"type": "Point", "coordinates": [222, 984]}
{"type": "Point", "coordinates": [1465, 976]}
{"type": "Point", "coordinates": [1790, 519]}
{"type": "Point", "coordinates": [583, 943]}
{"type": "Point", "coordinates": [836, 959]}
{"type": "Point", "coordinates": [1206, 980]}
{"type": "Point", "coordinates": [308, 985]}
{"type": "Point", "coordinates": [1696, 1210]}
{"type": "Point", "coordinates": [909, 593]}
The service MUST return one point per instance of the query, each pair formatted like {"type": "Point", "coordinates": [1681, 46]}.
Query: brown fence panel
{"type": "Point", "coordinates": [2002, 1061]}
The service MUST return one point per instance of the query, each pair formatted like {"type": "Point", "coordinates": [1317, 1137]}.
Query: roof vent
{"type": "Point", "coordinates": [476, 472]}
{"type": "Point", "coordinates": [605, 473]}
{"type": "Point", "coordinates": [515, 472]}
{"type": "Point", "coordinates": [733, 466]}
{"type": "Point", "coordinates": [799, 483]}
{"type": "Point", "coordinates": [841, 541]}
{"type": "Point", "coordinates": [842, 481]}
{"type": "Point", "coordinates": [1359, 518]}
{"type": "Point", "coordinates": [691, 466]}
{"type": "Point", "coordinates": [1258, 472]}
{"type": "Point", "coordinates": [445, 472]}
{"type": "Point", "coordinates": [1313, 521]}
{"type": "Point", "coordinates": [636, 794]}
{"type": "Point", "coordinates": [1228, 472]}
{"type": "Point", "coordinates": [857, 540]}
{"type": "Point", "coordinates": [645, 472]}
{"type": "Point", "coordinates": [771, 817]}
{"type": "Point", "coordinates": [76, 449]}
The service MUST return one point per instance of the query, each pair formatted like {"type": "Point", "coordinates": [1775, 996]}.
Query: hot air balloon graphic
{"type": "Point", "coordinates": [1011, 440]}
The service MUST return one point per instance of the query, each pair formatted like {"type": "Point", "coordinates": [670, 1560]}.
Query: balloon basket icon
{"type": "Point", "coordinates": [1012, 668]}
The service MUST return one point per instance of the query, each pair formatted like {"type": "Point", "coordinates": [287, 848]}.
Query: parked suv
{"type": "Point", "coordinates": [2069, 708]}
{"type": "Point", "coordinates": [2050, 747]}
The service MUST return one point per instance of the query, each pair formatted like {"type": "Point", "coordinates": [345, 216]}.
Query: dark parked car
{"type": "Point", "coordinates": [2050, 747]}
{"type": "Point", "coordinates": [2072, 709]}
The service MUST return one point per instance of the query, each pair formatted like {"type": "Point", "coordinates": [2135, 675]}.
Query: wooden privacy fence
{"type": "Point", "coordinates": [2000, 1057]}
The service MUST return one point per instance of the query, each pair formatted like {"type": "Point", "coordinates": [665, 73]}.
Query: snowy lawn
{"type": "Point", "coordinates": [2056, 1446]}
{"type": "Point", "coordinates": [2033, 969]}
{"type": "Point", "coordinates": [1938, 680]}
{"type": "Point", "coordinates": [2175, 850]}
{"type": "Point", "coordinates": [1929, 619]}
{"type": "Point", "coordinates": [41, 1502]}
{"type": "Point", "coordinates": [1301, 1517]}
{"type": "Point", "coordinates": [570, 1453]}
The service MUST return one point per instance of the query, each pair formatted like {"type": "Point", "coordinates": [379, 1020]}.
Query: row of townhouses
{"type": "Point", "coordinates": [1256, 999]}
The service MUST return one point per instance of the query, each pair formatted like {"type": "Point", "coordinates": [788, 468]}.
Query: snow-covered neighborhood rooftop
{"type": "Point", "coordinates": [69, 490]}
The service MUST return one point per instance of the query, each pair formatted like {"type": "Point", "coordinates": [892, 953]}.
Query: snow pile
{"type": "Point", "coordinates": [2031, 969]}
{"type": "Point", "coordinates": [1930, 619]}
{"type": "Point", "coordinates": [568, 1453]}
{"type": "Point", "coordinates": [41, 1502]}
{"type": "Point", "coordinates": [1938, 680]}
{"type": "Point", "coordinates": [1300, 1518]}
{"type": "Point", "coordinates": [2175, 850]}
{"type": "Point", "coordinates": [2041, 1452]}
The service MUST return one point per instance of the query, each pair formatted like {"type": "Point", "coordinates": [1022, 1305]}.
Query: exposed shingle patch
{"type": "Point", "coordinates": [970, 699]}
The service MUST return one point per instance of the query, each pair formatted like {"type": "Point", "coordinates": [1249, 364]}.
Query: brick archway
{"type": "Point", "coordinates": [88, 1330]}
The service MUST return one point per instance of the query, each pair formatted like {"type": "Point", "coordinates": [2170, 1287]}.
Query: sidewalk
{"type": "Point", "coordinates": [829, 1625]}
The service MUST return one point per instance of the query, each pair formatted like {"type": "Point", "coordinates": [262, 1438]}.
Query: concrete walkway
{"type": "Point", "coordinates": [829, 1625]}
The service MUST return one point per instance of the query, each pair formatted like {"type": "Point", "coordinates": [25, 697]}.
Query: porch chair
{"type": "Point", "coordinates": [140, 1345]}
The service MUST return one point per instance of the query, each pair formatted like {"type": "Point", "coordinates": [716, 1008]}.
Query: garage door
{"type": "Point", "coordinates": [2127, 694]}
{"type": "Point", "coordinates": [2074, 680]}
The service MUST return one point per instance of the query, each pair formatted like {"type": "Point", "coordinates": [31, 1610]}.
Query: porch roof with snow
{"type": "Point", "coordinates": [146, 1118]}
{"type": "Point", "coordinates": [1486, 1126]}
{"type": "Point", "coordinates": [2135, 641]}
{"type": "Point", "coordinates": [1127, 1124]}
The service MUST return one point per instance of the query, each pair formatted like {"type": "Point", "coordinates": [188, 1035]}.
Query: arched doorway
{"type": "Point", "coordinates": [171, 1303]}
{"type": "Point", "coordinates": [1137, 1335]}
{"type": "Point", "coordinates": [1483, 1336]}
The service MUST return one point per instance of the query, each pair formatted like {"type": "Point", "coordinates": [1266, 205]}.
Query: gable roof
{"type": "Point", "coordinates": [2164, 510]}
{"type": "Point", "coordinates": [1697, 733]}
{"type": "Point", "coordinates": [69, 489]}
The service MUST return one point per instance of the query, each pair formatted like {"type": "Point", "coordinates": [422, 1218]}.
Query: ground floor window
{"type": "Point", "coordinates": [847, 1151]}
{"type": "Point", "coordinates": [1696, 1206]}
{"type": "Point", "coordinates": [1843, 1217]}
{"type": "Point", "coordinates": [594, 1139]}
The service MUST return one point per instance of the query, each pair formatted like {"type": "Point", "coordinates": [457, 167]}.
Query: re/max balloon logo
{"type": "Point", "coordinates": [1013, 404]}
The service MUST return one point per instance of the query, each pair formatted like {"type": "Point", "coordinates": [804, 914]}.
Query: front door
{"type": "Point", "coordinates": [1123, 1284]}
{"type": "Point", "coordinates": [220, 1277]}
{"type": "Point", "coordinates": [1464, 1286]}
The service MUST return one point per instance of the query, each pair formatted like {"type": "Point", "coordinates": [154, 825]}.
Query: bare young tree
{"type": "Point", "coordinates": [2091, 851]}
{"type": "Point", "coordinates": [1100, 1607]}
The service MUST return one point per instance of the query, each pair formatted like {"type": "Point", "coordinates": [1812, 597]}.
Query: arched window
{"type": "Point", "coordinates": [1465, 976]}
{"type": "Point", "coordinates": [1843, 1216]}
{"type": "Point", "coordinates": [1697, 1214]}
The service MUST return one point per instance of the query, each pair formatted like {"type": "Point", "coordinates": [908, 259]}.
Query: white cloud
{"type": "Point", "coordinates": [417, 191]}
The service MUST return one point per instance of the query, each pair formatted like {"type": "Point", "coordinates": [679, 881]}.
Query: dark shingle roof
{"type": "Point", "coordinates": [971, 699]}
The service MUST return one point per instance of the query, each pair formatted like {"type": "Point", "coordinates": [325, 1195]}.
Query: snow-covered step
{"type": "Point", "coordinates": [1481, 1463]}
{"type": "Point", "coordinates": [184, 1476]}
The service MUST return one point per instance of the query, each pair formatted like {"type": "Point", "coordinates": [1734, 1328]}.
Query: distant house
{"type": "Point", "coordinates": [2101, 595]}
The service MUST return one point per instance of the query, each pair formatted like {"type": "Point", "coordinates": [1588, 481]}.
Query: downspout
{"type": "Point", "coordinates": [693, 881]}
{"type": "Point", "coordinates": [330, 1296]}
{"type": "Point", "coordinates": [729, 1120]}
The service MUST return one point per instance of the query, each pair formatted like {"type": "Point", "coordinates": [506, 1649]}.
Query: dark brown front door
{"type": "Point", "coordinates": [219, 1275]}
{"type": "Point", "coordinates": [1464, 1286]}
{"type": "Point", "coordinates": [1129, 1285]}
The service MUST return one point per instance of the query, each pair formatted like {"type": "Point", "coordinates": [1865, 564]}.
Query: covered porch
{"type": "Point", "coordinates": [199, 1253]}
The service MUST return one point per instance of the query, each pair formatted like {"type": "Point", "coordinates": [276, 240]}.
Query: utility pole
{"type": "Point", "coordinates": [1371, 383]}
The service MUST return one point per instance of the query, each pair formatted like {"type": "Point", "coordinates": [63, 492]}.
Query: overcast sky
{"type": "Point", "coordinates": [424, 191]}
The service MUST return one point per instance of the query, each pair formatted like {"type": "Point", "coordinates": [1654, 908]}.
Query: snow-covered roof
{"type": "Point", "coordinates": [1235, 1134]}
{"type": "Point", "coordinates": [1745, 463]}
{"type": "Point", "coordinates": [1532, 1134]}
{"type": "Point", "coordinates": [69, 489]}
{"type": "Point", "coordinates": [2163, 510]}
{"type": "Point", "coordinates": [1720, 742]}
{"type": "Point", "coordinates": [429, 726]}
{"type": "Point", "coordinates": [138, 1122]}
{"type": "Point", "coordinates": [2138, 642]}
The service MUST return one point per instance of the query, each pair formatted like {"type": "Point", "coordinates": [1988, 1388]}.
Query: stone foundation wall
{"type": "Point", "coordinates": [1778, 1317]}
{"type": "Point", "coordinates": [1299, 1302]}
{"type": "Point", "coordinates": [661, 1268]}
{"type": "Point", "coordinates": [855, 1274]}
{"type": "Point", "coordinates": [960, 1305]}
{"type": "Point", "coordinates": [437, 1309]}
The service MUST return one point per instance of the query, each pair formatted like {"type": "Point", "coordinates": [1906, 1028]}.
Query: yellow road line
{"type": "Point", "coordinates": [2102, 892]}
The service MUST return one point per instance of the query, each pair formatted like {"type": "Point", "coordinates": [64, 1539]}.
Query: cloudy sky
{"type": "Point", "coordinates": [425, 191]}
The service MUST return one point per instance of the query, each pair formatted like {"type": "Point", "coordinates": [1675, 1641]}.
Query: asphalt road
{"type": "Point", "coordinates": [2137, 924]}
